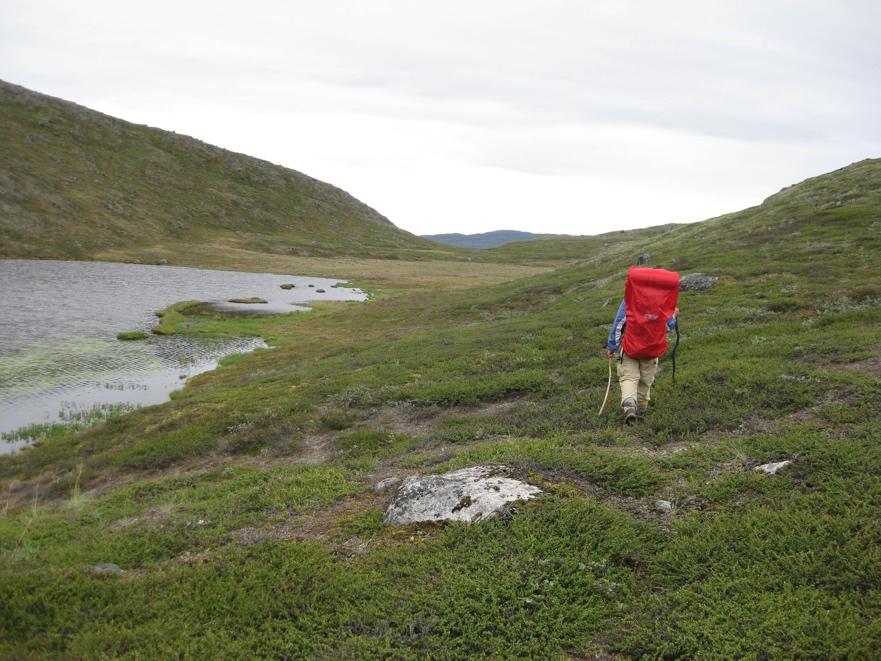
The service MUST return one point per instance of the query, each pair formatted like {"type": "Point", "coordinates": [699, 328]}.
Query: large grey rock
{"type": "Point", "coordinates": [697, 282]}
{"type": "Point", "coordinates": [773, 468]}
{"type": "Point", "coordinates": [107, 568]}
{"type": "Point", "coordinates": [462, 495]}
{"type": "Point", "coordinates": [663, 506]}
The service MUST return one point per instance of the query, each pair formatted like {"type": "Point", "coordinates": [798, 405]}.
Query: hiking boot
{"type": "Point", "coordinates": [629, 406]}
{"type": "Point", "coordinates": [641, 408]}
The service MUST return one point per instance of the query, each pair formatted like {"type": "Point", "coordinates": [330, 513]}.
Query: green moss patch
{"type": "Point", "coordinates": [252, 300]}
{"type": "Point", "coordinates": [131, 335]}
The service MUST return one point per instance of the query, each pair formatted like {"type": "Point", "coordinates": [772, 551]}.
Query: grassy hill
{"type": "Point", "coordinates": [75, 183]}
{"type": "Point", "coordinates": [243, 515]}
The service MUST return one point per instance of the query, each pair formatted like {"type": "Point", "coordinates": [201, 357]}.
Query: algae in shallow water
{"type": "Point", "coordinates": [40, 368]}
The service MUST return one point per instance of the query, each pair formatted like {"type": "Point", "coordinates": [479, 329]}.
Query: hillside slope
{"type": "Point", "coordinates": [75, 182]}
{"type": "Point", "coordinates": [244, 520]}
{"type": "Point", "coordinates": [819, 208]}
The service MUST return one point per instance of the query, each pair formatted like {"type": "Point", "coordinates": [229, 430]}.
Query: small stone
{"type": "Point", "coordinates": [354, 546]}
{"type": "Point", "coordinates": [530, 602]}
{"type": "Point", "coordinates": [108, 568]}
{"type": "Point", "coordinates": [693, 501]}
{"type": "Point", "coordinates": [386, 484]}
{"type": "Point", "coordinates": [772, 468]}
{"type": "Point", "coordinates": [663, 506]}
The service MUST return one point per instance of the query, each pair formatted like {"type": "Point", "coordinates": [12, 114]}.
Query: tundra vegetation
{"type": "Point", "coordinates": [243, 517]}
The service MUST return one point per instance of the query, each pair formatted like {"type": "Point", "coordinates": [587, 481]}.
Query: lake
{"type": "Point", "coordinates": [59, 356]}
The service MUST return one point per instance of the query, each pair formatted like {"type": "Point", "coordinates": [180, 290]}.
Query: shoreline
{"type": "Point", "coordinates": [79, 381]}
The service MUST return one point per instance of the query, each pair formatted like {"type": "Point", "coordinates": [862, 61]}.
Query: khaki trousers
{"type": "Point", "coordinates": [636, 378]}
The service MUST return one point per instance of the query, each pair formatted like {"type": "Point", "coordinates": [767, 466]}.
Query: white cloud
{"type": "Point", "coordinates": [550, 116]}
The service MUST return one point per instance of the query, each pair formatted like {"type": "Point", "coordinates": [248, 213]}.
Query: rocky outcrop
{"type": "Point", "coordinates": [462, 495]}
{"type": "Point", "coordinates": [697, 282]}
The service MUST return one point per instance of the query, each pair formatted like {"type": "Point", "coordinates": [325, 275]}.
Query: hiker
{"type": "Point", "coordinates": [653, 294]}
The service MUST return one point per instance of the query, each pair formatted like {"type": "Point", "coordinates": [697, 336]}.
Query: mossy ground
{"type": "Point", "coordinates": [243, 513]}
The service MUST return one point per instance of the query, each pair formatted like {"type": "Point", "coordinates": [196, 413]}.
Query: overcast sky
{"type": "Point", "coordinates": [550, 116]}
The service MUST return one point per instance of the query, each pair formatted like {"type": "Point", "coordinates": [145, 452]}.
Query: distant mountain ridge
{"type": "Point", "coordinates": [488, 239]}
{"type": "Point", "coordinates": [75, 183]}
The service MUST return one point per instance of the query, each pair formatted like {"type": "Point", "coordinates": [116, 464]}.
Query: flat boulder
{"type": "Point", "coordinates": [697, 282]}
{"type": "Point", "coordinates": [465, 495]}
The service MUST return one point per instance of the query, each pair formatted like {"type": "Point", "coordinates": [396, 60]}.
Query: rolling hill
{"type": "Point", "coordinates": [75, 183]}
{"type": "Point", "coordinates": [485, 239]}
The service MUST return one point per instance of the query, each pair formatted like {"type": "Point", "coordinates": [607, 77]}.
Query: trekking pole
{"type": "Point", "coordinates": [676, 346]}
{"type": "Point", "coordinates": [608, 388]}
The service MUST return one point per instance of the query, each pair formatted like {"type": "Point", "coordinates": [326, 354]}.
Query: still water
{"type": "Point", "coordinates": [58, 323]}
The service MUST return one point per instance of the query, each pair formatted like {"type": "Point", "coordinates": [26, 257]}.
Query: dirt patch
{"type": "Point", "coordinates": [563, 482]}
{"type": "Point", "coordinates": [54, 489]}
{"type": "Point", "coordinates": [152, 517]}
{"type": "Point", "coordinates": [870, 365]}
{"type": "Point", "coordinates": [20, 494]}
{"type": "Point", "coordinates": [194, 557]}
{"type": "Point", "coordinates": [314, 449]}
{"type": "Point", "coordinates": [324, 526]}
{"type": "Point", "coordinates": [421, 422]}
{"type": "Point", "coordinates": [403, 419]}
{"type": "Point", "coordinates": [652, 451]}
{"type": "Point", "coordinates": [498, 408]}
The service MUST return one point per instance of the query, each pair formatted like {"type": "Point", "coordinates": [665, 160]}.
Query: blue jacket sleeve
{"type": "Point", "coordinates": [671, 323]}
{"type": "Point", "coordinates": [617, 330]}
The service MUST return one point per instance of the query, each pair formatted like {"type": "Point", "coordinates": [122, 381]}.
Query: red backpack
{"type": "Point", "coordinates": [650, 296]}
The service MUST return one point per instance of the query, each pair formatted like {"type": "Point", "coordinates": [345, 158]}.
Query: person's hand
{"type": "Point", "coordinates": [610, 353]}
